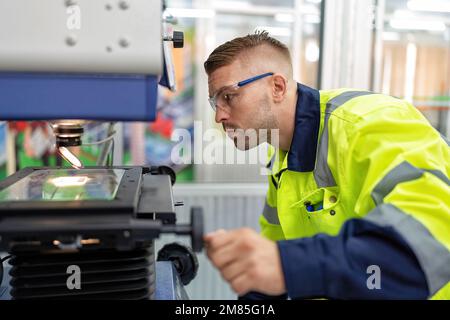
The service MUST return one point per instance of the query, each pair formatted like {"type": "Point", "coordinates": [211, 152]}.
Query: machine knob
{"type": "Point", "coordinates": [197, 228]}
{"type": "Point", "coordinates": [194, 229]}
{"type": "Point", "coordinates": [178, 39]}
{"type": "Point", "coordinates": [183, 258]}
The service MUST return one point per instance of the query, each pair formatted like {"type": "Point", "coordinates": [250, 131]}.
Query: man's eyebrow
{"type": "Point", "coordinates": [223, 87]}
{"type": "Point", "coordinates": [217, 91]}
{"type": "Point", "coordinates": [212, 89]}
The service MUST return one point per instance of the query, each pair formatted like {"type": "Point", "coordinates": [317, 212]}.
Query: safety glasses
{"type": "Point", "coordinates": [226, 96]}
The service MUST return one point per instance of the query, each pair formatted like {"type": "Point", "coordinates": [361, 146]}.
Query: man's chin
{"type": "Point", "coordinates": [244, 147]}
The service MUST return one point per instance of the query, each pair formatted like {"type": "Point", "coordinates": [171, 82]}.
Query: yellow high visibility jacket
{"type": "Point", "coordinates": [363, 187]}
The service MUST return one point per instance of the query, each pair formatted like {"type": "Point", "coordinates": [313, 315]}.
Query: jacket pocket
{"type": "Point", "coordinates": [321, 211]}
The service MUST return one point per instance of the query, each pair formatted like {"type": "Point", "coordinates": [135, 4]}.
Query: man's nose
{"type": "Point", "coordinates": [221, 115]}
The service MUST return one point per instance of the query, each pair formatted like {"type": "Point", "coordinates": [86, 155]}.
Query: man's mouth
{"type": "Point", "coordinates": [231, 132]}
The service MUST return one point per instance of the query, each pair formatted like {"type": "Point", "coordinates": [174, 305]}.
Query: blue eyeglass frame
{"type": "Point", "coordinates": [212, 100]}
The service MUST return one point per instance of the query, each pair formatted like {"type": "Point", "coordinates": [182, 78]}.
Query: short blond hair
{"type": "Point", "coordinates": [226, 53]}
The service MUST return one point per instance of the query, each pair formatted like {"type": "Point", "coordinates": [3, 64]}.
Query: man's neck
{"type": "Point", "coordinates": [286, 118]}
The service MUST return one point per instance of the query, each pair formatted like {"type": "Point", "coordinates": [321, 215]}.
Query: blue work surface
{"type": "Point", "coordinates": [76, 96]}
{"type": "Point", "coordinates": [4, 288]}
{"type": "Point", "coordinates": [168, 285]}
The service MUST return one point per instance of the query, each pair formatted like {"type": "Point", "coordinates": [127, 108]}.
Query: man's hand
{"type": "Point", "coordinates": [246, 260]}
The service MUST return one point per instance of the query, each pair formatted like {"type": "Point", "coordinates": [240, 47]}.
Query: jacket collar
{"type": "Point", "coordinates": [302, 153]}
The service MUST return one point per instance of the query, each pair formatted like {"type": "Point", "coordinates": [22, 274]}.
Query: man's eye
{"type": "Point", "coordinates": [228, 97]}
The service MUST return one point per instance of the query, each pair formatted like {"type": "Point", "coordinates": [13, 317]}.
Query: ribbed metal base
{"type": "Point", "coordinates": [104, 274]}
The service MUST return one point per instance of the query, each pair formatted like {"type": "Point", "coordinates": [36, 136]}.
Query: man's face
{"type": "Point", "coordinates": [248, 107]}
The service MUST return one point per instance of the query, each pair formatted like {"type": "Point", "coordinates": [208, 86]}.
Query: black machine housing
{"type": "Point", "coordinates": [110, 240]}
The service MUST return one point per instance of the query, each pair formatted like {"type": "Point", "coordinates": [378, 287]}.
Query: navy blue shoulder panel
{"type": "Point", "coordinates": [302, 153]}
{"type": "Point", "coordinates": [340, 267]}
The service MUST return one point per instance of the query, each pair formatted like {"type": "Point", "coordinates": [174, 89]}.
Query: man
{"type": "Point", "coordinates": [358, 204]}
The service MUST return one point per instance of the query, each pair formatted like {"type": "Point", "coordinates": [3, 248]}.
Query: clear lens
{"type": "Point", "coordinates": [225, 98]}
{"type": "Point", "coordinates": [212, 103]}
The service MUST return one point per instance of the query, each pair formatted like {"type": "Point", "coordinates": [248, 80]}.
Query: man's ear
{"type": "Point", "coordinates": [279, 88]}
